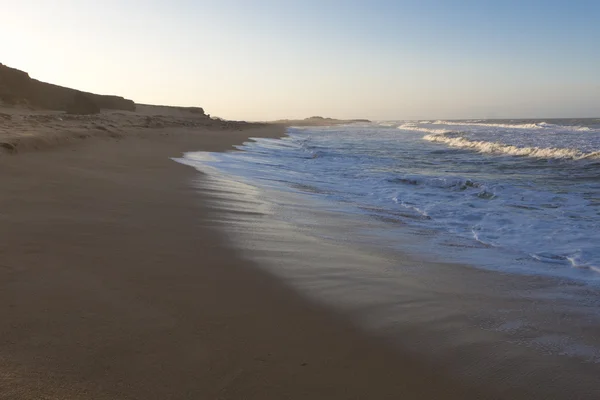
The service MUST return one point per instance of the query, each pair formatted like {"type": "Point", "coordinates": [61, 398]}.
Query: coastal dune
{"type": "Point", "coordinates": [114, 285]}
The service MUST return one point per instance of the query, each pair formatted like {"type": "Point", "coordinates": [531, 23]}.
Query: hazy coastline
{"type": "Point", "coordinates": [126, 275]}
{"type": "Point", "coordinates": [299, 200]}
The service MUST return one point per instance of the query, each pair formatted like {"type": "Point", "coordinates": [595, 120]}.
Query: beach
{"type": "Point", "coordinates": [478, 261]}
{"type": "Point", "coordinates": [300, 200]}
{"type": "Point", "coordinates": [116, 285]}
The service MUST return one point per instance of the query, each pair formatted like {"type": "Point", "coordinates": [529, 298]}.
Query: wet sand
{"type": "Point", "coordinates": [113, 285]}
{"type": "Point", "coordinates": [512, 336]}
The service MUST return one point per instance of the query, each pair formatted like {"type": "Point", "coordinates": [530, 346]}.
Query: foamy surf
{"type": "Point", "coordinates": [454, 140]}
{"type": "Point", "coordinates": [416, 128]}
{"type": "Point", "coordinates": [532, 206]}
{"type": "Point", "coordinates": [535, 125]}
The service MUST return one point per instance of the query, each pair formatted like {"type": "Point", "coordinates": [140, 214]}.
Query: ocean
{"type": "Point", "coordinates": [479, 229]}
{"type": "Point", "coordinates": [530, 190]}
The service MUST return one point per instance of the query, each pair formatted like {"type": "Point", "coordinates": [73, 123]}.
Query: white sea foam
{"type": "Point", "coordinates": [577, 263]}
{"type": "Point", "coordinates": [414, 127]}
{"type": "Point", "coordinates": [536, 125]}
{"type": "Point", "coordinates": [416, 209]}
{"type": "Point", "coordinates": [501, 148]}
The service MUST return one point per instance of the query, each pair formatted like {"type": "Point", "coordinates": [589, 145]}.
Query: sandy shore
{"type": "Point", "coordinates": [112, 287]}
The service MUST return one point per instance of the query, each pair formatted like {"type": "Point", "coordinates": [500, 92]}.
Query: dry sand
{"type": "Point", "coordinates": [113, 287]}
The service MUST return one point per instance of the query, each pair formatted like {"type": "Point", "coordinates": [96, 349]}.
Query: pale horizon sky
{"type": "Point", "coordinates": [262, 60]}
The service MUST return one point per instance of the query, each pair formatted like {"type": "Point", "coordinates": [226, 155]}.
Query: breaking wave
{"type": "Point", "coordinates": [413, 127]}
{"type": "Point", "coordinates": [534, 125]}
{"type": "Point", "coordinates": [454, 139]}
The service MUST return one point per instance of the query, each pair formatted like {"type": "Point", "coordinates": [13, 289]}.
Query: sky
{"type": "Point", "coordinates": [264, 60]}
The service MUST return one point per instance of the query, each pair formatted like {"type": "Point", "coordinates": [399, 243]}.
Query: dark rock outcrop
{"type": "Point", "coordinates": [195, 110]}
{"type": "Point", "coordinates": [8, 146]}
{"type": "Point", "coordinates": [16, 87]}
{"type": "Point", "coordinates": [82, 105]}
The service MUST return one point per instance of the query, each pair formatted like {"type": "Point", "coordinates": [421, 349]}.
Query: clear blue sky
{"type": "Point", "coordinates": [277, 59]}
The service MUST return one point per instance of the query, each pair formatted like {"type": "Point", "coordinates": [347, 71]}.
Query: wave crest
{"type": "Point", "coordinates": [413, 127]}
{"type": "Point", "coordinates": [534, 125]}
{"type": "Point", "coordinates": [452, 139]}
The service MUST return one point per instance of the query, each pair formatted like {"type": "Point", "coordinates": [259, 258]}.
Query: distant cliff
{"type": "Point", "coordinates": [16, 87]}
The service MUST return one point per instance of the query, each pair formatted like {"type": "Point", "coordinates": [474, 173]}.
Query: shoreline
{"type": "Point", "coordinates": [481, 327]}
{"type": "Point", "coordinates": [115, 286]}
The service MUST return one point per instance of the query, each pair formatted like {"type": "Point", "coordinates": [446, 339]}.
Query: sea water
{"type": "Point", "coordinates": [519, 196]}
{"type": "Point", "coordinates": [470, 243]}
